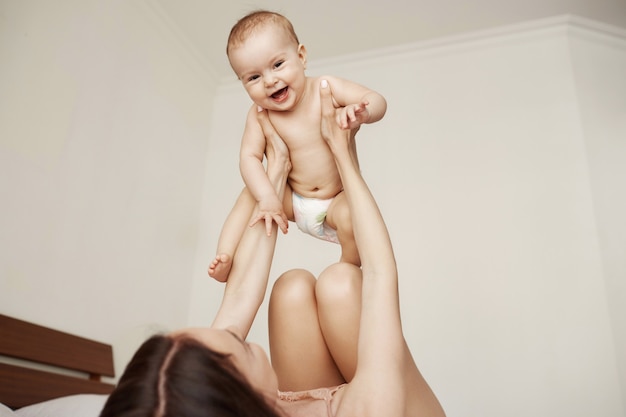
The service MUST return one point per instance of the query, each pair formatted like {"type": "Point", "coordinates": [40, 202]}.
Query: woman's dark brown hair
{"type": "Point", "coordinates": [181, 377]}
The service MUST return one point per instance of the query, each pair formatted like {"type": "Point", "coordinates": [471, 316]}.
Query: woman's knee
{"type": "Point", "coordinates": [292, 288]}
{"type": "Point", "coordinates": [338, 283]}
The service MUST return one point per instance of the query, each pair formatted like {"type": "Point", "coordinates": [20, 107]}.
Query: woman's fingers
{"type": "Point", "coordinates": [326, 97]}
{"type": "Point", "coordinates": [330, 130]}
{"type": "Point", "coordinates": [264, 121]}
{"type": "Point", "coordinates": [274, 143]}
{"type": "Point", "coordinates": [328, 111]}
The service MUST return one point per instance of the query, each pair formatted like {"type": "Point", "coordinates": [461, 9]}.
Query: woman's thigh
{"type": "Point", "coordinates": [338, 294]}
{"type": "Point", "coordinates": [297, 346]}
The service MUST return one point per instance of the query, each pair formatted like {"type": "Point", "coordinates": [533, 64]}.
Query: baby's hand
{"type": "Point", "coordinates": [271, 210]}
{"type": "Point", "coordinates": [353, 115]}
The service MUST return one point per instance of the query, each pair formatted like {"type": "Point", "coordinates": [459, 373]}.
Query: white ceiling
{"type": "Point", "coordinates": [331, 28]}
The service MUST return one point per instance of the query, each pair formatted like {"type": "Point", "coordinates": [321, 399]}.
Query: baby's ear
{"type": "Point", "coordinates": [302, 54]}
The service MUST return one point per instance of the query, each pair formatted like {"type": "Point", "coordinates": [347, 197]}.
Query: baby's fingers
{"type": "Point", "coordinates": [344, 117]}
{"type": "Point", "coordinates": [282, 222]}
{"type": "Point", "coordinates": [255, 220]}
{"type": "Point", "coordinates": [268, 225]}
{"type": "Point", "coordinates": [350, 114]}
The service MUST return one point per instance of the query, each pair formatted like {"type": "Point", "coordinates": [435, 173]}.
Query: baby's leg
{"type": "Point", "coordinates": [288, 203]}
{"type": "Point", "coordinates": [338, 217]}
{"type": "Point", "coordinates": [233, 229]}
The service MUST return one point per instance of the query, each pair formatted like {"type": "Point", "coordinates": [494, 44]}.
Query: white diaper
{"type": "Point", "coordinates": [310, 215]}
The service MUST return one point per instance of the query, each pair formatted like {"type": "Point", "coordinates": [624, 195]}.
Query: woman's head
{"type": "Point", "coordinates": [190, 374]}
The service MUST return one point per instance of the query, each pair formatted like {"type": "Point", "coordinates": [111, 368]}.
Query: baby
{"type": "Point", "coordinates": [268, 59]}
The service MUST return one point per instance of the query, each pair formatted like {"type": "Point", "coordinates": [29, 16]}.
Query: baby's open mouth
{"type": "Point", "coordinates": [280, 94]}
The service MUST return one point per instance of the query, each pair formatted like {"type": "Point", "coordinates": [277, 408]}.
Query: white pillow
{"type": "Point", "coordinates": [6, 411]}
{"type": "Point", "coordinates": [80, 405]}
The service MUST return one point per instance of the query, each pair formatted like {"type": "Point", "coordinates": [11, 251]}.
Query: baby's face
{"type": "Point", "coordinates": [271, 67]}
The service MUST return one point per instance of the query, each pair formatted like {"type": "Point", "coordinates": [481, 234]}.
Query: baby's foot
{"type": "Point", "coordinates": [220, 267]}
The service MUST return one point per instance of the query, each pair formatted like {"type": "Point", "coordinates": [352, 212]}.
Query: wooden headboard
{"type": "Point", "coordinates": [22, 385]}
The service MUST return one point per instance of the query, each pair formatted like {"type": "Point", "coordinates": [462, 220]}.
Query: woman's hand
{"type": "Point", "coordinates": [333, 134]}
{"type": "Point", "coordinates": [340, 141]}
{"type": "Point", "coordinates": [276, 150]}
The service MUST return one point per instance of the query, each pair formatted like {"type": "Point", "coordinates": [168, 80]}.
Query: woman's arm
{"type": "Point", "coordinates": [381, 309]}
{"type": "Point", "coordinates": [247, 282]}
{"type": "Point", "coordinates": [378, 387]}
{"type": "Point", "coordinates": [387, 381]}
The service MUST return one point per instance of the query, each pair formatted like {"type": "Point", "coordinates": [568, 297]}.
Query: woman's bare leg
{"type": "Point", "coordinates": [298, 349]}
{"type": "Point", "coordinates": [338, 294]}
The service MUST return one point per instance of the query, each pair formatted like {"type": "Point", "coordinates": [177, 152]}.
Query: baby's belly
{"type": "Point", "coordinates": [322, 189]}
{"type": "Point", "coordinates": [314, 171]}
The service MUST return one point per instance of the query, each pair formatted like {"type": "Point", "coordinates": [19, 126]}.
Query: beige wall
{"type": "Point", "coordinates": [104, 122]}
{"type": "Point", "coordinates": [499, 168]}
{"type": "Point", "coordinates": [599, 62]}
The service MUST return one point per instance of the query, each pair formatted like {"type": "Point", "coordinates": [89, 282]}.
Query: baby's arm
{"type": "Point", "coordinates": [253, 174]}
{"type": "Point", "coordinates": [358, 104]}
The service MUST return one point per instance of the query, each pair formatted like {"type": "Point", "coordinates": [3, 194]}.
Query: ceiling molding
{"type": "Point", "coordinates": [558, 25]}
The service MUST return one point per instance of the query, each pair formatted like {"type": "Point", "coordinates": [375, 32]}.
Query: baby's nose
{"type": "Point", "coordinates": [270, 81]}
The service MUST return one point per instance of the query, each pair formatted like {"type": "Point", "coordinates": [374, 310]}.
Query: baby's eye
{"type": "Point", "coordinates": [278, 64]}
{"type": "Point", "coordinates": [252, 78]}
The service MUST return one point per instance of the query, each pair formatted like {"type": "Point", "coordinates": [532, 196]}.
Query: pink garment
{"type": "Point", "coordinates": [312, 402]}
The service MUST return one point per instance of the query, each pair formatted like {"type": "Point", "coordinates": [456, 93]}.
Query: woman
{"type": "Point", "coordinates": [341, 332]}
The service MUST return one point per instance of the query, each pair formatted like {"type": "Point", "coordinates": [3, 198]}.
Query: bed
{"type": "Point", "coordinates": [46, 372]}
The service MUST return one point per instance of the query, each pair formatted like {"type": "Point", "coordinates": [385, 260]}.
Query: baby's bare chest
{"type": "Point", "coordinates": [301, 133]}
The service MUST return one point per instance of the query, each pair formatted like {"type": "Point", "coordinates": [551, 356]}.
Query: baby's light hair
{"type": "Point", "coordinates": [248, 24]}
